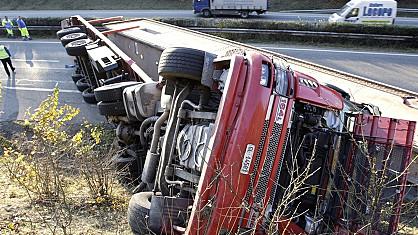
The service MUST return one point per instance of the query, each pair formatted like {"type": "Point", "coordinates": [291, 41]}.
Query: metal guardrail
{"type": "Point", "coordinates": [277, 31]}
{"type": "Point", "coordinates": [307, 33]}
{"type": "Point", "coordinates": [408, 10]}
{"type": "Point", "coordinates": [330, 11]}
{"type": "Point", "coordinates": [46, 28]}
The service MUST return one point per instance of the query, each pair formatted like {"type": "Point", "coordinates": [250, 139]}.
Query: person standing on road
{"type": "Point", "coordinates": [8, 25]}
{"type": "Point", "coordinates": [5, 59]}
{"type": "Point", "coordinates": [22, 28]}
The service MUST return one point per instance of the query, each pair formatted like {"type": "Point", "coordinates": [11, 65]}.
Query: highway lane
{"type": "Point", "coordinates": [395, 68]}
{"type": "Point", "coordinates": [278, 16]}
{"type": "Point", "coordinates": [40, 67]}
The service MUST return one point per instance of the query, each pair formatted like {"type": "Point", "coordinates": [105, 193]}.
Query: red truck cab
{"type": "Point", "coordinates": [278, 154]}
{"type": "Point", "coordinates": [238, 185]}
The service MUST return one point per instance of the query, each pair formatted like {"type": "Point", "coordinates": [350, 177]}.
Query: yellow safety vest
{"type": "Point", "coordinates": [3, 53]}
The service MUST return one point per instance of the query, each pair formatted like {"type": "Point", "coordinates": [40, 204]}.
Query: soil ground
{"type": "Point", "coordinates": [19, 215]}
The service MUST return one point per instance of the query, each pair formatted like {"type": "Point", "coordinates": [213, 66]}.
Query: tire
{"type": "Point", "coordinates": [88, 96]}
{"type": "Point", "coordinates": [343, 93]}
{"type": "Point", "coordinates": [112, 92]}
{"type": "Point", "coordinates": [67, 31]}
{"type": "Point", "coordinates": [128, 167]}
{"type": "Point", "coordinates": [72, 37]}
{"type": "Point", "coordinates": [180, 62]}
{"type": "Point", "coordinates": [111, 108]}
{"type": "Point", "coordinates": [244, 14]}
{"type": "Point", "coordinates": [206, 13]}
{"type": "Point", "coordinates": [78, 47]}
{"type": "Point", "coordinates": [138, 212]}
{"type": "Point", "coordinates": [76, 77]}
{"type": "Point", "coordinates": [82, 84]}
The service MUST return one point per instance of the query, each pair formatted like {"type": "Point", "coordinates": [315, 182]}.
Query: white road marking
{"type": "Point", "coordinates": [37, 89]}
{"type": "Point", "coordinates": [341, 51]}
{"type": "Point", "coordinates": [31, 42]}
{"type": "Point", "coordinates": [49, 61]}
{"type": "Point", "coordinates": [20, 80]}
{"type": "Point", "coordinates": [47, 68]}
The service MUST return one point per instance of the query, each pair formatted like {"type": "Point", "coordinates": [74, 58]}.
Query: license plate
{"type": "Point", "coordinates": [248, 157]}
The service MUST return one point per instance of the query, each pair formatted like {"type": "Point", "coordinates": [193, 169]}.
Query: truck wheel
{"type": "Point", "coordinates": [244, 14]}
{"type": "Point", "coordinates": [343, 93]}
{"type": "Point", "coordinates": [78, 47]}
{"type": "Point", "coordinates": [112, 92]}
{"type": "Point", "coordinates": [66, 31]}
{"type": "Point", "coordinates": [138, 212]}
{"type": "Point", "coordinates": [82, 84]}
{"type": "Point", "coordinates": [76, 77]}
{"type": "Point", "coordinates": [111, 108]}
{"type": "Point", "coordinates": [181, 62]}
{"type": "Point", "coordinates": [88, 96]}
{"type": "Point", "coordinates": [206, 13]}
{"type": "Point", "coordinates": [72, 37]}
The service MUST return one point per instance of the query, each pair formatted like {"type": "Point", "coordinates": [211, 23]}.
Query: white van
{"type": "Point", "coordinates": [366, 12]}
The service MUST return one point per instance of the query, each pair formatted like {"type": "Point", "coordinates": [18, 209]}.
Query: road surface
{"type": "Point", "coordinates": [41, 66]}
{"type": "Point", "coordinates": [277, 16]}
{"type": "Point", "coordinates": [394, 68]}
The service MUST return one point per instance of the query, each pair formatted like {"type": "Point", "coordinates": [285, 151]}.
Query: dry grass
{"type": "Point", "coordinates": [20, 215]}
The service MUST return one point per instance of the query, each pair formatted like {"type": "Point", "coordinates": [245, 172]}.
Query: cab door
{"type": "Point", "coordinates": [200, 5]}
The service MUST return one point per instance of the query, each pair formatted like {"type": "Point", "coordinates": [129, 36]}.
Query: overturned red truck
{"type": "Point", "coordinates": [238, 143]}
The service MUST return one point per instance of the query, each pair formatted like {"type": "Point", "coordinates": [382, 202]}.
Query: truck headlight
{"type": "Point", "coordinates": [265, 75]}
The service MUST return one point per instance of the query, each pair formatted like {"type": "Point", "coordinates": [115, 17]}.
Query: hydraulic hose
{"type": "Point", "coordinates": [143, 127]}
{"type": "Point", "coordinates": [157, 131]}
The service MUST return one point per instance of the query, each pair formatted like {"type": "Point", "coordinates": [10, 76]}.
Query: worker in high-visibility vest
{"type": "Point", "coordinates": [23, 30]}
{"type": "Point", "coordinates": [8, 25]}
{"type": "Point", "coordinates": [6, 60]}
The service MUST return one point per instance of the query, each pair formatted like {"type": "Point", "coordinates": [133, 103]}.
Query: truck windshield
{"type": "Point", "coordinates": [343, 9]}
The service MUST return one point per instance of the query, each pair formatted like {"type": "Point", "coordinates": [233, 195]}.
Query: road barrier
{"type": "Point", "coordinates": [307, 33]}
{"type": "Point", "coordinates": [301, 33]}
{"type": "Point", "coordinates": [330, 11]}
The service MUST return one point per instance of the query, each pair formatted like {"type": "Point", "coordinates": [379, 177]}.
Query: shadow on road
{"type": "Point", "coordinates": [10, 109]}
{"type": "Point", "coordinates": [29, 56]}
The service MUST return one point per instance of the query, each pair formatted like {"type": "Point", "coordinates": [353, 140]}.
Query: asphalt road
{"type": "Point", "coordinates": [40, 66]}
{"type": "Point", "coordinates": [279, 16]}
{"type": "Point", "coordinates": [395, 68]}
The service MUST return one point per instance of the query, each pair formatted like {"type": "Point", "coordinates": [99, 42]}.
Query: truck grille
{"type": "Point", "coordinates": [268, 163]}
{"type": "Point", "coordinates": [276, 178]}
{"type": "Point", "coordinates": [257, 159]}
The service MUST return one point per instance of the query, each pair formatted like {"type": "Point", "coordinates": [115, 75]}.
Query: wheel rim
{"type": "Point", "coordinates": [206, 13]}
